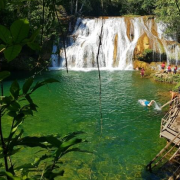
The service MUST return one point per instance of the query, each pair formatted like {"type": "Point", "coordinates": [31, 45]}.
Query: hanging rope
{"type": "Point", "coordinates": [99, 74]}
{"type": "Point", "coordinates": [100, 87]}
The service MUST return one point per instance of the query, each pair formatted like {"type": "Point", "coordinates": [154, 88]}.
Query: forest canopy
{"type": "Point", "coordinates": [52, 17]}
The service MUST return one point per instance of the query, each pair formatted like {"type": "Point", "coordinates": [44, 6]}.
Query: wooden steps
{"type": "Point", "coordinates": [167, 151]}
{"type": "Point", "coordinates": [170, 129]}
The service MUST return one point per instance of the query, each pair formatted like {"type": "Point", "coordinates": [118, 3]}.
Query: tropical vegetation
{"type": "Point", "coordinates": [28, 28]}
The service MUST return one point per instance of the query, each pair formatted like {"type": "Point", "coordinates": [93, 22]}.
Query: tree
{"type": "Point", "coordinates": [168, 12]}
{"type": "Point", "coordinates": [18, 105]}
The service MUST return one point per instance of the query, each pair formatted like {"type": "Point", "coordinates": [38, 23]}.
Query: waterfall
{"type": "Point", "coordinates": [123, 39]}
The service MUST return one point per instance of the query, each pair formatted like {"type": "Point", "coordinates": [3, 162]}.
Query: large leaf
{"type": "Point", "coordinates": [27, 85]}
{"type": "Point", "coordinates": [26, 110]}
{"type": "Point", "coordinates": [65, 145]}
{"type": "Point", "coordinates": [14, 106]}
{"type": "Point", "coordinates": [44, 141]}
{"type": "Point", "coordinates": [5, 35]}
{"type": "Point", "coordinates": [39, 84]}
{"type": "Point", "coordinates": [5, 173]}
{"type": "Point", "coordinates": [72, 135]}
{"type": "Point", "coordinates": [12, 52]}
{"type": "Point", "coordinates": [51, 175]}
{"type": "Point", "coordinates": [4, 74]}
{"type": "Point", "coordinates": [34, 35]}
{"type": "Point", "coordinates": [33, 46]}
{"type": "Point", "coordinates": [32, 105]}
{"type": "Point", "coordinates": [20, 30]}
{"type": "Point", "coordinates": [5, 101]}
{"type": "Point", "coordinates": [2, 47]}
{"type": "Point", "coordinates": [14, 89]}
{"type": "Point", "coordinates": [32, 142]}
{"type": "Point", "coordinates": [14, 151]}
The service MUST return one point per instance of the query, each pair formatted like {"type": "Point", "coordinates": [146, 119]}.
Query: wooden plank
{"type": "Point", "coordinates": [160, 153]}
{"type": "Point", "coordinates": [168, 135]}
{"type": "Point", "coordinates": [166, 154]}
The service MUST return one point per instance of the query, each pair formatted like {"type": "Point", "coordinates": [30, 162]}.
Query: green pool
{"type": "Point", "coordinates": [126, 139]}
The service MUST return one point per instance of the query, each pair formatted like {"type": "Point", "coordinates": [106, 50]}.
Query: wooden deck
{"type": "Point", "coordinates": [170, 123]}
{"type": "Point", "coordinates": [170, 130]}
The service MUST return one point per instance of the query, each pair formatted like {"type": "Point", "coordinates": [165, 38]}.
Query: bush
{"type": "Point", "coordinates": [146, 56]}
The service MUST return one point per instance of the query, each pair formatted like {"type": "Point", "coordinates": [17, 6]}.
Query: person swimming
{"type": "Point", "coordinates": [147, 103]}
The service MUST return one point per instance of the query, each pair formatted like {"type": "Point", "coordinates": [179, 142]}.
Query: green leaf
{"type": "Point", "coordinates": [64, 147]}
{"type": "Point", "coordinates": [19, 30]}
{"type": "Point", "coordinates": [33, 46]}
{"type": "Point", "coordinates": [2, 46]}
{"type": "Point", "coordinates": [10, 175]}
{"type": "Point", "coordinates": [32, 105]}
{"type": "Point", "coordinates": [27, 85]}
{"type": "Point", "coordinates": [34, 35]}
{"type": "Point", "coordinates": [14, 89]}
{"type": "Point", "coordinates": [27, 112]}
{"type": "Point", "coordinates": [51, 175]}
{"type": "Point", "coordinates": [5, 35]}
{"type": "Point", "coordinates": [14, 106]}
{"type": "Point", "coordinates": [39, 84]}
{"type": "Point", "coordinates": [12, 52]}
{"type": "Point", "coordinates": [72, 135]}
{"type": "Point", "coordinates": [4, 74]}
{"type": "Point", "coordinates": [38, 160]}
{"type": "Point", "coordinates": [5, 101]}
{"type": "Point", "coordinates": [32, 142]}
{"type": "Point", "coordinates": [43, 141]}
{"type": "Point", "coordinates": [10, 153]}
{"type": "Point", "coordinates": [12, 113]}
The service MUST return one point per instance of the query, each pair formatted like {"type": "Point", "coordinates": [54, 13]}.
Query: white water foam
{"type": "Point", "coordinates": [157, 107]}
{"type": "Point", "coordinates": [117, 44]}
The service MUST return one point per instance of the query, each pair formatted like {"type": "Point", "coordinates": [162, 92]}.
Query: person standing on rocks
{"type": "Point", "coordinates": [175, 69]}
{"type": "Point", "coordinates": [169, 69]}
{"type": "Point", "coordinates": [142, 72]}
{"type": "Point", "coordinates": [163, 67]}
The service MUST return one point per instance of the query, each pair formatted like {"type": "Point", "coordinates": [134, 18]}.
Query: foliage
{"type": "Point", "coordinates": [140, 7]}
{"type": "Point", "coordinates": [168, 12]}
{"type": "Point", "coordinates": [168, 78]}
{"type": "Point", "coordinates": [146, 56]}
{"type": "Point", "coordinates": [19, 104]}
{"type": "Point", "coordinates": [15, 38]}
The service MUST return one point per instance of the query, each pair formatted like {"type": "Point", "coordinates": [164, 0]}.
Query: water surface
{"type": "Point", "coordinates": [122, 143]}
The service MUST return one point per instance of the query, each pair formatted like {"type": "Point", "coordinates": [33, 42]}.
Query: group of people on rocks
{"type": "Point", "coordinates": [163, 65]}
{"type": "Point", "coordinates": [169, 69]}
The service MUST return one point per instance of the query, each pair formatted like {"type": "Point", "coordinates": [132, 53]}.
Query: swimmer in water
{"type": "Point", "coordinates": [147, 103]}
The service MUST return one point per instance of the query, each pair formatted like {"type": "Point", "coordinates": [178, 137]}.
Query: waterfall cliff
{"type": "Point", "coordinates": [123, 40]}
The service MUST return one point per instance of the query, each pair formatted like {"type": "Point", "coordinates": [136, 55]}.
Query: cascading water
{"type": "Point", "coordinates": [123, 39]}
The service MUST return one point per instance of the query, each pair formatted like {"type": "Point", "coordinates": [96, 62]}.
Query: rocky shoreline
{"type": "Point", "coordinates": [153, 70]}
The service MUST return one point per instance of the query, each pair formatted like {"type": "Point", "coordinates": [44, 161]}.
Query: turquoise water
{"type": "Point", "coordinates": [122, 143]}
